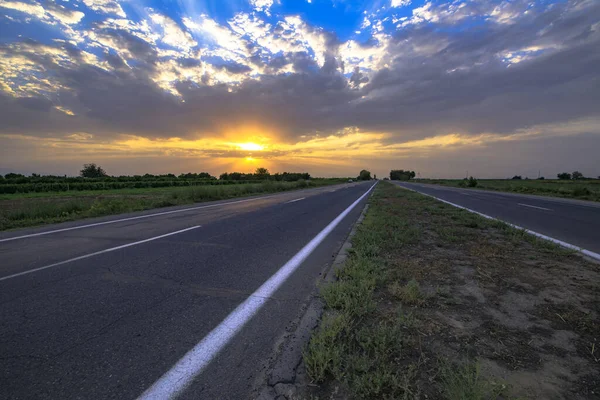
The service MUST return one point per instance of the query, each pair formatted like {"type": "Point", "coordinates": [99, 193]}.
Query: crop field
{"type": "Point", "coordinates": [576, 189]}
{"type": "Point", "coordinates": [22, 209]}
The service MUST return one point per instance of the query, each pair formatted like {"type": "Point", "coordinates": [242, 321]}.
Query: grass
{"type": "Point", "coordinates": [580, 189]}
{"type": "Point", "coordinates": [18, 211]}
{"type": "Point", "coordinates": [465, 382]}
{"type": "Point", "coordinates": [414, 312]}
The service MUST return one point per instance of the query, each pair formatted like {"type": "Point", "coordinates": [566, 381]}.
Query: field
{"type": "Point", "coordinates": [576, 189]}
{"type": "Point", "coordinates": [436, 302]}
{"type": "Point", "coordinates": [35, 208]}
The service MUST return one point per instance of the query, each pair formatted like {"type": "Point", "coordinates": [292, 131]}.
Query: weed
{"type": "Point", "coordinates": [407, 294]}
{"type": "Point", "coordinates": [325, 350]}
{"type": "Point", "coordinates": [465, 382]}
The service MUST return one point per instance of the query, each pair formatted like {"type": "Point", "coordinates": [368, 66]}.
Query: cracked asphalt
{"type": "Point", "coordinates": [108, 326]}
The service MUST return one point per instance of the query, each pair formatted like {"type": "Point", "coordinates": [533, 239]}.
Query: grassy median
{"type": "Point", "coordinates": [436, 302]}
{"type": "Point", "coordinates": [20, 210]}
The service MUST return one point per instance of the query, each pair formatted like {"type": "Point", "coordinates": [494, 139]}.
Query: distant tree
{"type": "Point", "coordinates": [364, 175]}
{"type": "Point", "coordinates": [12, 175]}
{"type": "Point", "coordinates": [541, 178]}
{"type": "Point", "coordinates": [374, 176]}
{"type": "Point", "coordinates": [401, 175]}
{"type": "Point", "coordinates": [577, 175]}
{"type": "Point", "coordinates": [517, 177]}
{"type": "Point", "coordinates": [564, 176]}
{"type": "Point", "coordinates": [262, 172]}
{"type": "Point", "coordinates": [92, 171]}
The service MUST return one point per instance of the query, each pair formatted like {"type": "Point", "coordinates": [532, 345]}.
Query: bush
{"type": "Point", "coordinates": [581, 191]}
{"type": "Point", "coordinates": [471, 182]}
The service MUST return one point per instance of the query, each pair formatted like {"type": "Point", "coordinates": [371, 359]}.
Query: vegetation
{"type": "Point", "coordinates": [92, 171]}
{"type": "Point", "coordinates": [401, 175]}
{"type": "Point", "coordinates": [262, 174]}
{"type": "Point", "coordinates": [21, 210]}
{"type": "Point", "coordinates": [578, 189]}
{"type": "Point", "coordinates": [436, 302]}
{"type": "Point", "coordinates": [364, 175]}
{"type": "Point", "coordinates": [93, 177]}
{"type": "Point", "coordinates": [564, 176]}
{"type": "Point", "coordinates": [471, 182]}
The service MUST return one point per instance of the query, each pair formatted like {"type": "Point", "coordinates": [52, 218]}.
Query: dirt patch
{"type": "Point", "coordinates": [525, 312]}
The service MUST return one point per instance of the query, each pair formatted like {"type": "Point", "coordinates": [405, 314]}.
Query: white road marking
{"type": "Point", "coordinates": [174, 381]}
{"type": "Point", "coordinates": [542, 236]}
{"type": "Point", "coordinates": [132, 218]}
{"type": "Point", "coordinates": [295, 200]}
{"type": "Point", "coordinates": [529, 205]}
{"type": "Point", "coordinates": [97, 253]}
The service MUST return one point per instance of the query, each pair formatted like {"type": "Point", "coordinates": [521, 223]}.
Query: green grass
{"type": "Point", "coordinates": [32, 209]}
{"type": "Point", "coordinates": [580, 189]}
{"type": "Point", "coordinates": [465, 382]}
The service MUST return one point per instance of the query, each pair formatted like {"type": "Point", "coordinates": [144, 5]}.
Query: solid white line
{"type": "Point", "coordinates": [132, 218]}
{"type": "Point", "coordinates": [194, 361]}
{"type": "Point", "coordinates": [96, 253]}
{"type": "Point", "coordinates": [529, 205]}
{"type": "Point", "coordinates": [295, 200]}
{"type": "Point", "coordinates": [588, 253]}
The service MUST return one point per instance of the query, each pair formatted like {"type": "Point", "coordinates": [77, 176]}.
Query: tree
{"type": "Point", "coordinates": [364, 175]}
{"type": "Point", "coordinates": [517, 177]}
{"type": "Point", "coordinates": [564, 176]}
{"type": "Point", "coordinates": [12, 175]}
{"type": "Point", "coordinates": [401, 175]}
{"type": "Point", "coordinates": [92, 171]}
{"type": "Point", "coordinates": [577, 175]}
{"type": "Point", "coordinates": [374, 176]}
{"type": "Point", "coordinates": [263, 172]}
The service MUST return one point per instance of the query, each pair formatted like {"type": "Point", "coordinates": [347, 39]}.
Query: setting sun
{"type": "Point", "coordinates": [250, 146]}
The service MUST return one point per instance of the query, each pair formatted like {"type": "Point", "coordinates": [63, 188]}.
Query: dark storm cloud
{"type": "Point", "coordinates": [437, 81]}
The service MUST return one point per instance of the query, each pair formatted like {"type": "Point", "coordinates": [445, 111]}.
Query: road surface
{"type": "Point", "coordinates": [138, 291]}
{"type": "Point", "coordinates": [572, 221]}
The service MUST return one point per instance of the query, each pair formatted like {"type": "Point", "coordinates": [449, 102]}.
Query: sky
{"type": "Point", "coordinates": [445, 88]}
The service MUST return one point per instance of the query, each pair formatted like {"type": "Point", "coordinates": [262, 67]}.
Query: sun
{"type": "Point", "coordinates": [249, 146]}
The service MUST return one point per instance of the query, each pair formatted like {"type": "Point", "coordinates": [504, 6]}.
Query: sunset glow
{"type": "Point", "coordinates": [250, 147]}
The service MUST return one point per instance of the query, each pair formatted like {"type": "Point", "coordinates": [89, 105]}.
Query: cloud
{"type": "Point", "coordinates": [172, 34]}
{"type": "Point", "coordinates": [51, 14]}
{"type": "Point", "coordinates": [400, 3]}
{"type": "Point", "coordinates": [106, 7]}
{"type": "Point", "coordinates": [262, 5]}
{"type": "Point", "coordinates": [156, 77]}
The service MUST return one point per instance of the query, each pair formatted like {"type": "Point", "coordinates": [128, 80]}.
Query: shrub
{"type": "Point", "coordinates": [581, 191]}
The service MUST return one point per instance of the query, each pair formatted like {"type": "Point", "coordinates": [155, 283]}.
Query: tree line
{"type": "Point", "coordinates": [94, 177]}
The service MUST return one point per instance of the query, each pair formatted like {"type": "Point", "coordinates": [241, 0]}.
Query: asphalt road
{"type": "Point", "coordinates": [572, 221]}
{"type": "Point", "coordinates": [107, 326]}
